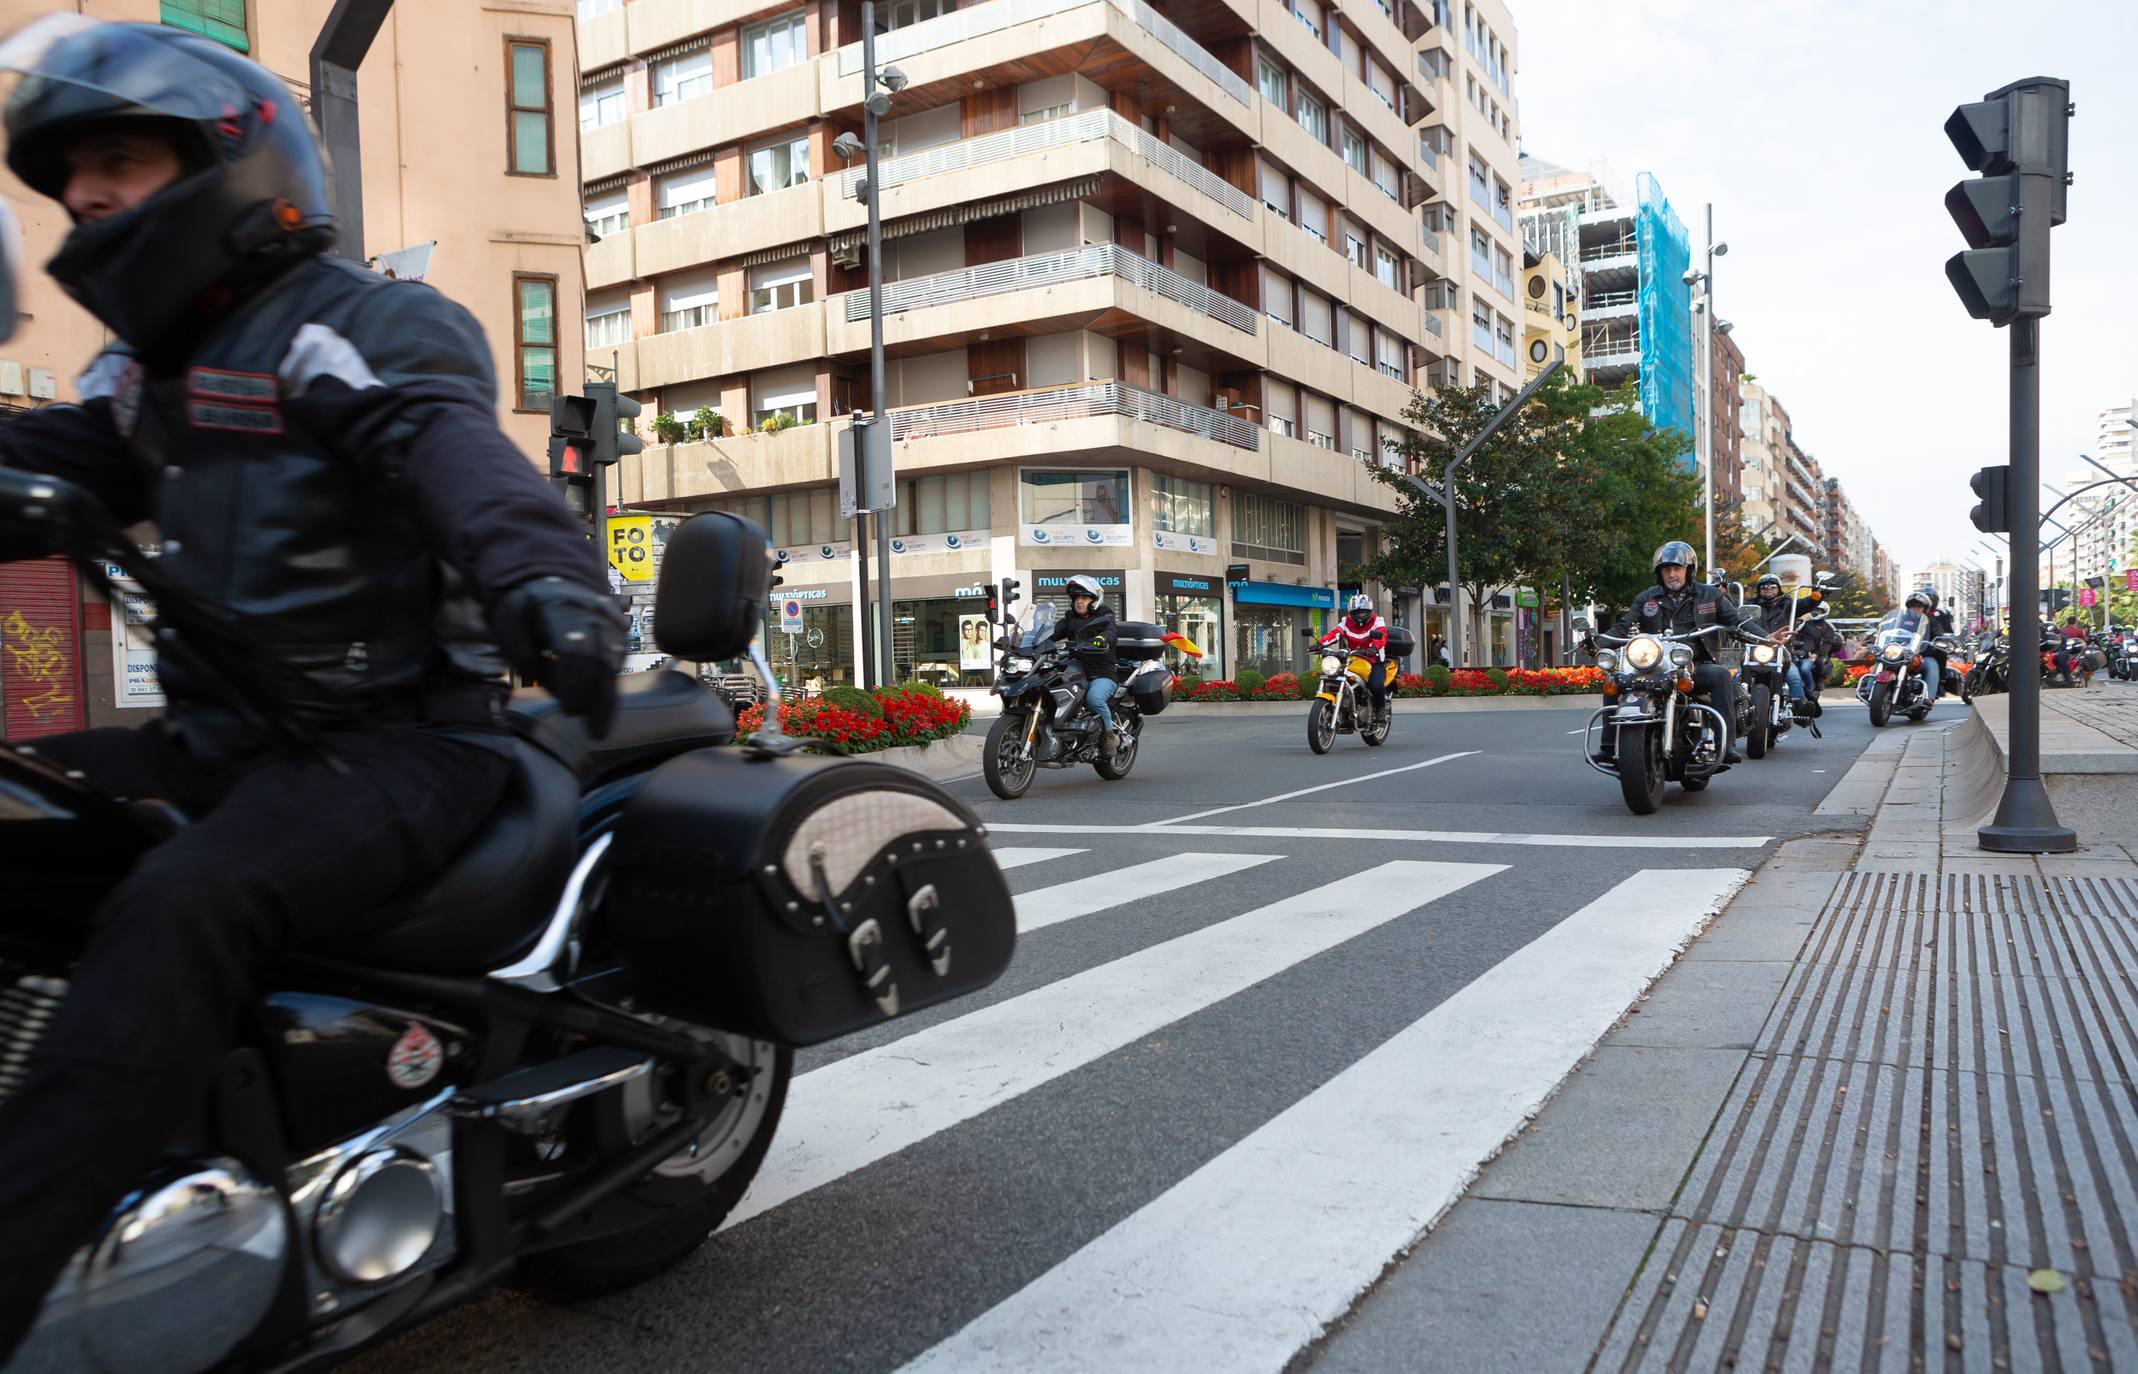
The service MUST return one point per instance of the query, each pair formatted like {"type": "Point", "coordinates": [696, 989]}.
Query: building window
{"type": "Point", "coordinates": [682, 193]}
{"type": "Point", "coordinates": [221, 20]}
{"type": "Point", "coordinates": [781, 286]}
{"type": "Point", "coordinates": [1506, 340]}
{"type": "Point", "coordinates": [949, 504]}
{"type": "Point", "coordinates": [1384, 267]}
{"type": "Point", "coordinates": [601, 104]}
{"type": "Point", "coordinates": [1270, 80]}
{"type": "Point", "coordinates": [778, 165]}
{"type": "Point", "coordinates": [1266, 528]}
{"type": "Point", "coordinates": [532, 152]}
{"type": "Point", "coordinates": [1502, 203]}
{"type": "Point", "coordinates": [1481, 254]}
{"type": "Point", "coordinates": [1354, 151]}
{"type": "Point", "coordinates": [1183, 506]}
{"type": "Point", "coordinates": [790, 392]}
{"type": "Point", "coordinates": [534, 339]}
{"type": "Point", "coordinates": [1355, 250]}
{"type": "Point", "coordinates": [1481, 327]}
{"type": "Point", "coordinates": [1479, 184]}
{"type": "Point", "coordinates": [608, 213]}
{"type": "Point", "coordinates": [1314, 118]}
{"type": "Point", "coordinates": [683, 78]}
{"type": "Point", "coordinates": [797, 519]}
{"type": "Point", "coordinates": [1073, 497]}
{"type": "Point", "coordinates": [773, 45]}
{"type": "Point", "coordinates": [1041, 116]}
{"type": "Point", "coordinates": [906, 13]}
{"type": "Point", "coordinates": [689, 300]}
{"type": "Point", "coordinates": [608, 320]}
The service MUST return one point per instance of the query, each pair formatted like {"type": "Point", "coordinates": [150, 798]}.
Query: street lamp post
{"type": "Point", "coordinates": [1704, 435]}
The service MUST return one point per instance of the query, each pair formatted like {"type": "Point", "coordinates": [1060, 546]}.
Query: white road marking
{"type": "Point", "coordinates": [1285, 832]}
{"type": "Point", "coordinates": [869, 1106]}
{"type": "Point", "coordinates": [1066, 901]}
{"type": "Point", "coordinates": [1287, 796]}
{"type": "Point", "coordinates": [1245, 1261]}
{"type": "Point", "coordinates": [1018, 858]}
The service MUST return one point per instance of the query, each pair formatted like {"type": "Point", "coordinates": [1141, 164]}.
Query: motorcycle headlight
{"type": "Point", "coordinates": [1331, 664]}
{"type": "Point", "coordinates": [1680, 655]}
{"type": "Point", "coordinates": [1644, 653]}
{"type": "Point", "coordinates": [1607, 659]}
{"type": "Point", "coordinates": [1763, 653]}
{"type": "Point", "coordinates": [1894, 653]}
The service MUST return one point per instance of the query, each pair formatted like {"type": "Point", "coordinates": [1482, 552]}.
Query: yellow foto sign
{"type": "Point", "coordinates": [631, 546]}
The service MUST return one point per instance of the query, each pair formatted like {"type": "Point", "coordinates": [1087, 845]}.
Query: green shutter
{"type": "Point", "coordinates": [221, 20]}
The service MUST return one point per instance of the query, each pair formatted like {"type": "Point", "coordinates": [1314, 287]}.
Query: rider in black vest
{"type": "Point", "coordinates": [1678, 604]}
{"type": "Point", "coordinates": [318, 450]}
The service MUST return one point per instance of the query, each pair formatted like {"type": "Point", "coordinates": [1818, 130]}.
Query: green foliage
{"type": "Point", "coordinates": [917, 687]}
{"type": "Point", "coordinates": [1309, 685]}
{"type": "Point", "coordinates": [667, 429]}
{"type": "Point", "coordinates": [708, 423]}
{"type": "Point", "coordinates": [1498, 677]}
{"type": "Point", "coordinates": [1248, 681]}
{"type": "Point", "coordinates": [1437, 676]}
{"type": "Point", "coordinates": [855, 700]}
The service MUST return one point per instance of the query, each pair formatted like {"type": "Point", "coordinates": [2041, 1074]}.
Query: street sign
{"type": "Point", "coordinates": [867, 481]}
{"type": "Point", "coordinates": [790, 615]}
{"type": "Point", "coordinates": [631, 546]}
{"type": "Point", "coordinates": [1525, 596]}
{"type": "Point", "coordinates": [2086, 596]}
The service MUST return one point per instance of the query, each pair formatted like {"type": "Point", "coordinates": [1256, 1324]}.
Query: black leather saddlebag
{"type": "Point", "coordinates": [798, 899]}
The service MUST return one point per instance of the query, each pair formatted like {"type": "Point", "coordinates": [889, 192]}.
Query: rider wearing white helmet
{"type": "Point", "coordinates": [1090, 633]}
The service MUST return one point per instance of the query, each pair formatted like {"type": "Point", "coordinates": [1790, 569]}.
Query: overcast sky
{"type": "Point", "coordinates": [1817, 130]}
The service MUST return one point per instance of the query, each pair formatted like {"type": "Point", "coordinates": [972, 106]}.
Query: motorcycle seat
{"type": "Point", "coordinates": [494, 897]}
{"type": "Point", "coordinates": [657, 714]}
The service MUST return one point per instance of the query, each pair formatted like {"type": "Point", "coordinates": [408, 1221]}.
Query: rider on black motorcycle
{"type": "Point", "coordinates": [1090, 633]}
{"type": "Point", "coordinates": [1924, 601]}
{"type": "Point", "coordinates": [1775, 612]}
{"type": "Point", "coordinates": [1815, 645]}
{"type": "Point", "coordinates": [1678, 604]}
{"type": "Point", "coordinates": [317, 446]}
{"type": "Point", "coordinates": [1364, 634]}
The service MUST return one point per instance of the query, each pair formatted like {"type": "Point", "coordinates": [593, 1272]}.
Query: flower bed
{"type": "Point", "coordinates": [909, 715]}
{"type": "Point", "coordinates": [1434, 682]}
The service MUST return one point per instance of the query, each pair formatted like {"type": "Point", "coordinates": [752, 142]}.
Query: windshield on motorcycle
{"type": "Point", "coordinates": [1901, 626]}
{"type": "Point", "coordinates": [1042, 625]}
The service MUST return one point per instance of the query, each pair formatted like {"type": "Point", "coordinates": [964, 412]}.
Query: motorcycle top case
{"type": "Point", "coordinates": [1138, 641]}
{"type": "Point", "coordinates": [800, 898]}
{"type": "Point", "coordinates": [1401, 642]}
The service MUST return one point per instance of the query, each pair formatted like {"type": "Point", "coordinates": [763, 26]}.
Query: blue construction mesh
{"type": "Point", "coordinates": [1665, 307]}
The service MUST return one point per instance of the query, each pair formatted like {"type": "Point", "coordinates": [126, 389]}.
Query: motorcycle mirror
{"type": "Point", "coordinates": [1581, 623]}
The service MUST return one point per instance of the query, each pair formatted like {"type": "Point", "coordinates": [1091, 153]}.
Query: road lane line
{"type": "Point", "coordinates": [1014, 857]}
{"type": "Point", "coordinates": [1304, 791]}
{"type": "Point", "coordinates": [1285, 832]}
{"type": "Point", "coordinates": [869, 1106]}
{"type": "Point", "coordinates": [1248, 1259]}
{"type": "Point", "coordinates": [1066, 901]}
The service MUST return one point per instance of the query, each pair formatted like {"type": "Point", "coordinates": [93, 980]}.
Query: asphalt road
{"type": "Point", "coordinates": [1196, 961]}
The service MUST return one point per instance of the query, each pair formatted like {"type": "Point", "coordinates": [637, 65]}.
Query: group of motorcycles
{"type": "Point", "coordinates": [1991, 672]}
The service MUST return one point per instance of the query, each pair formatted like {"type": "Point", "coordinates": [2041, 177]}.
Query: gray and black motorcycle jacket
{"type": "Point", "coordinates": [326, 469]}
{"type": "Point", "coordinates": [1701, 604]}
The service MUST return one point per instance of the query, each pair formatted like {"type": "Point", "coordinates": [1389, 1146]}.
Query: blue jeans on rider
{"type": "Point", "coordinates": [1799, 678]}
{"type": "Point", "coordinates": [1933, 671]}
{"type": "Point", "coordinates": [1097, 695]}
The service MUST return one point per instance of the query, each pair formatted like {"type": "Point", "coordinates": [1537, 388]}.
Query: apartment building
{"type": "Point", "coordinates": [1960, 590]}
{"type": "Point", "coordinates": [1155, 291]}
{"type": "Point", "coordinates": [1726, 423]}
{"type": "Point", "coordinates": [1763, 429]}
{"type": "Point", "coordinates": [2104, 520]}
{"type": "Point", "coordinates": [490, 212]}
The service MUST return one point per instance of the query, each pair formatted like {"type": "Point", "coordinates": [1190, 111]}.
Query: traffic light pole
{"type": "Point", "coordinates": [2026, 820]}
{"type": "Point", "coordinates": [886, 656]}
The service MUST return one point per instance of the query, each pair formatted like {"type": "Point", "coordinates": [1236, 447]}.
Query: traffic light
{"type": "Point", "coordinates": [1009, 594]}
{"type": "Point", "coordinates": [1989, 513]}
{"type": "Point", "coordinates": [611, 410]}
{"type": "Point", "coordinates": [571, 465]}
{"type": "Point", "coordinates": [2016, 137]}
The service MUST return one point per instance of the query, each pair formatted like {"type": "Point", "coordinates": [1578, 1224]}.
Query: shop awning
{"type": "Point", "coordinates": [1284, 594]}
{"type": "Point", "coordinates": [851, 240]}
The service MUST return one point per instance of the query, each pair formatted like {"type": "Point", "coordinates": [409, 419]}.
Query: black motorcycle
{"type": "Point", "coordinates": [1656, 732]}
{"type": "Point", "coordinates": [559, 1063]}
{"type": "Point", "coordinates": [1044, 722]}
{"type": "Point", "coordinates": [1990, 673]}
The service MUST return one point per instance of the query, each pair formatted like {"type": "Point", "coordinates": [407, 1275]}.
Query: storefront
{"type": "Point", "coordinates": [1053, 588]}
{"type": "Point", "coordinates": [1195, 607]}
{"type": "Point", "coordinates": [822, 654]}
{"type": "Point", "coordinates": [1273, 622]}
{"type": "Point", "coordinates": [940, 633]}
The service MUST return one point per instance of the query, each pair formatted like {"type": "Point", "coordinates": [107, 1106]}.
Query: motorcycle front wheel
{"type": "Point", "coordinates": [1007, 768]}
{"type": "Point", "coordinates": [1881, 703]}
{"type": "Point", "coordinates": [1969, 681]}
{"type": "Point", "coordinates": [1321, 726]}
{"type": "Point", "coordinates": [1640, 768]}
{"type": "Point", "coordinates": [1761, 735]}
{"type": "Point", "coordinates": [1116, 768]}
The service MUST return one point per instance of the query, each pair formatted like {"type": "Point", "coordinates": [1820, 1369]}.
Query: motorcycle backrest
{"type": "Point", "coordinates": [715, 576]}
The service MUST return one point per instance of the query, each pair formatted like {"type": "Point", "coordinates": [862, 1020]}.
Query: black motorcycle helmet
{"type": "Point", "coordinates": [251, 201]}
{"type": "Point", "coordinates": [1681, 553]}
{"type": "Point", "coordinates": [1922, 596]}
{"type": "Point", "coordinates": [1767, 582]}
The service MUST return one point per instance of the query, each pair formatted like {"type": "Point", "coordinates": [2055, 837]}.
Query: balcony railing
{"type": "Point", "coordinates": [1049, 269]}
{"type": "Point", "coordinates": [1432, 323]}
{"type": "Point", "coordinates": [1608, 251]}
{"type": "Point", "coordinates": [1077, 402]}
{"type": "Point", "coordinates": [1053, 133]}
{"type": "Point", "coordinates": [1611, 300]}
{"type": "Point", "coordinates": [992, 16]}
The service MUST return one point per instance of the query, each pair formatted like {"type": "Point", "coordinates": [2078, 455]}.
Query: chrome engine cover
{"type": "Point", "coordinates": [181, 1272]}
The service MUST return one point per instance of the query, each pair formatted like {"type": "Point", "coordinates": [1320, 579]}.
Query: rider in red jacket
{"type": "Point", "coordinates": [1364, 633]}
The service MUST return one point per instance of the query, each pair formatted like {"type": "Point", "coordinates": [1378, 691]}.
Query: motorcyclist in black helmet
{"type": "Point", "coordinates": [1677, 604]}
{"type": "Point", "coordinates": [318, 449]}
{"type": "Point", "coordinates": [1775, 610]}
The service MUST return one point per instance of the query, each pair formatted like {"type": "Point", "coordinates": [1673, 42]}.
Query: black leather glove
{"type": "Point", "coordinates": [568, 637]}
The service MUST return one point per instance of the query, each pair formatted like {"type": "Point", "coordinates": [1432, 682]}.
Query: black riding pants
{"type": "Point", "coordinates": [283, 849]}
{"type": "Point", "coordinates": [1712, 682]}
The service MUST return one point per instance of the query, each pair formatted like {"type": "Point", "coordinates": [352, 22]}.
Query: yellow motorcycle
{"type": "Point", "coordinates": [1344, 704]}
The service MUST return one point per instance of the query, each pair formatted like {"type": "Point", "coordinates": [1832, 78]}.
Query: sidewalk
{"type": "Point", "coordinates": [1879, 1116]}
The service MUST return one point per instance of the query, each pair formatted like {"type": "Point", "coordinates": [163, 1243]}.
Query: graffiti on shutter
{"type": "Point", "coordinates": [40, 650]}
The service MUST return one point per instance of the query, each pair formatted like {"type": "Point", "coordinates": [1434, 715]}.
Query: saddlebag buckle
{"type": "Point", "coordinates": [924, 911]}
{"type": "Point", "coordinates": [865, 947]}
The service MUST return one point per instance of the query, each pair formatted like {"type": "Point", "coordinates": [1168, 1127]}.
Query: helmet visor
{"type": "Point", "coordinates": [145, 68]}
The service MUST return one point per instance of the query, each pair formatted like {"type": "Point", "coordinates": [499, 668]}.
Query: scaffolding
{"type": "Point", "coordinates": [1665, 311]}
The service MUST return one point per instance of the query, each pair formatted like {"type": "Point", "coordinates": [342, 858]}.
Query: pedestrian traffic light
{"type": "Point", "coordinates": [1001, 599]}
{"type": "Point", "coordinates": [1989, 513]}
{"type": "Point", "coordinates": [571, 421]}
{"type": "Point", "coordinates": [611, 410]}
{"type": "Point", "coordinates": [2016, 137]}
